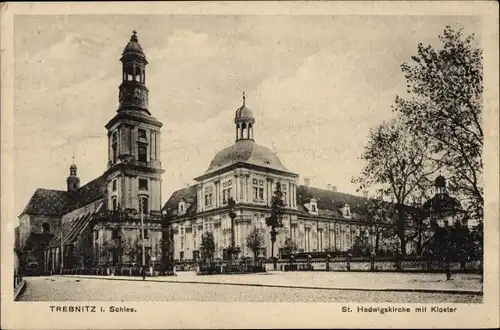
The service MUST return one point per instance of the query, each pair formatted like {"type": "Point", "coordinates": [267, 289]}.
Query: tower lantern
{"type": "Point", "coordinates": [133, 93]}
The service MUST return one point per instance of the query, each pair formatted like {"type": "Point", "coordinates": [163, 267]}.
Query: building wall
{"type": "Point", "coordinates": [311, 235]}
{"type": "Point", "coordinates": [129, 237]}
{"type": "Point", "coordinates": [242, 183]}
{"type": "Point", "coordinates": [33, 223]}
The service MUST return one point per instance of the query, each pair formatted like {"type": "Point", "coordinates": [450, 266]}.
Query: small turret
{"type": "Point", "coordinates": [73, 181]}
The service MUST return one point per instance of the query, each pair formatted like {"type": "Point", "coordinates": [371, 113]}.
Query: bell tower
{"type": "Point", "coordinates": [133, 94]}
{"type": "Point", "coordinates": [134, 155]}
{"type": "Point", "coordinates": [73, 181]}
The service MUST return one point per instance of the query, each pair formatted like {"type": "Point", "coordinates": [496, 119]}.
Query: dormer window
{"type": "Point", "coordinates": [346, 210]}
{"type": "Point", "coordinates": [313, 206]}
{"type": "Point", "coordinates": [182, 207]}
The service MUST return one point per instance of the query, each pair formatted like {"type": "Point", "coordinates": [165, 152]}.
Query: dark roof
{"type": "Point", "coordinates": [71, 229]}
{"type": "Point", "coordinates": [188, 194]}
{"type": "Point", "coordinates": [58, 202]}
{"type": "Point", "coordinates": [329, 202]}
{"type": "Point", "coordinates": [47, 202]}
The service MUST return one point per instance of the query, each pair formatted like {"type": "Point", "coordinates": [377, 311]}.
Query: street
{"type": "Point", "coordinates": [61, 288]}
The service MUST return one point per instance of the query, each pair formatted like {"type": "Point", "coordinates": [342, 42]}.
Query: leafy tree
{"type": "Point", "coordinates": [276, 217]}
{"type": "Point", "coordinates": [255, 242]}
{"type": "Point", "coordinates": [399, 163]}
{"type": "Point", "coordinates": [444, 107]}
{"type": "Point", "coordinates": [449, 243]}
{"type": "Point", "coordinates": [207, 247]}
{"type": "Point", "coordinates": [290, 246]}
{"type": "Point", "coordinates": [361, 246]}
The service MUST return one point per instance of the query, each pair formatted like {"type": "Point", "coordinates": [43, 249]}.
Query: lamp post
{"type": "Point", "coordinates": [62, 253]}
{"type": "Point", "coordinates": [141, 196]}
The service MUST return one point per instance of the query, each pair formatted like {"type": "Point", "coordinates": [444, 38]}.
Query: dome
{"type": "Point", "coordinates": [440, 182]}
{"type": "Point", "coordinates": [246, 151]}
{"type": "Point", "coordinates": [243, 113]}
{"type": "Point", "coordinates": [133, 47]}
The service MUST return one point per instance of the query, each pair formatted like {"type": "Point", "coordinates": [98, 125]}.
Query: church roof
{"type": "Point", "coordinates": [246, 151]}
{"type": "Point", "coordinates": [72, 228]}
{"type": "Point", "coordinates": [58, 202]}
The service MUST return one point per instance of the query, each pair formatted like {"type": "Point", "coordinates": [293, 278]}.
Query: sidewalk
{"type": "Point", "coordinates": [431, 283]}
{"type": "Point", "coordinates": [19, 289]}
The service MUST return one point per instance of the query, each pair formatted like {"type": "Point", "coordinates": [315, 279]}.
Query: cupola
{"type": "Point", "coordinates": [73, 181]}
{"type": "Point", "coordinates": [244, 121]}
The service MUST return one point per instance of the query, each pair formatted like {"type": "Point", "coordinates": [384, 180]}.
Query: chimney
{"type": "Point", "coordinates": [307, 182]}
{"type": "Point", "coordinates": [334, 188]}
{"type": "Point", "coordinates": [329, 186]}
{"type": "Point", "coordinates": [365, 194]}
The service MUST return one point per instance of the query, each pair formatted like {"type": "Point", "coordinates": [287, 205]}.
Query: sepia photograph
{"type": "Point", "coordinates": [249, 158]}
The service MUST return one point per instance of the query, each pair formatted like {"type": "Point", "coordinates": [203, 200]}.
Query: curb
{"type": "Point", "coordinates": [446, 291]}
{"type": "Point", "coordinates": [20, 291]}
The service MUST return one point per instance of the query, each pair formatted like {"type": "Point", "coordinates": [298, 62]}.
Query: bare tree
{"type": "Point", "coordinates": [444, 107]}
{"type": "Point", "coordinates": [398, 162]}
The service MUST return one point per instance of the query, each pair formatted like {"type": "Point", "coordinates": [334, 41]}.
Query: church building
{"type": "Point", "coordinates": [100, 223]}
{"type": "Point", "coordinates": [318, 220]}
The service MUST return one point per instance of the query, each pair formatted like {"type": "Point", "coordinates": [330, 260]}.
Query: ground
{"type": "Point", "coordinates": [234, 288]}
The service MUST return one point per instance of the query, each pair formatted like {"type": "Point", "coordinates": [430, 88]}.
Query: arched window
{"type": "Point", "coordinates": [45, 227]}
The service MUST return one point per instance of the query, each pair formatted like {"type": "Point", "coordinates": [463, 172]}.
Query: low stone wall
{"type": "Point", "coordinates": [410, 264]}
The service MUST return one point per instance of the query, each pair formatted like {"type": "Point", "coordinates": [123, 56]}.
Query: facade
{"type": "Point", "coordinates": [316, 219]}
{"type": "Point", "coordinates": [100, 223]}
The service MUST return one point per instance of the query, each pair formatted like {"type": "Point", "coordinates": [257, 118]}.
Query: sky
{"type": "Point", "coordinates": [316, 85]}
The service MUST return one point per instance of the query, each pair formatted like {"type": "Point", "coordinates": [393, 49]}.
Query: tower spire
{"type": "Point", "coordinates": [244, 97]}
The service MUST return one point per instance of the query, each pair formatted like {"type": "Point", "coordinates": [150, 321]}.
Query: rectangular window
{"type": "Point", "coordinates": [285, 199]}
{"type": "Point", "coordinates": [261, 194]}
{"type": "Point", "coordinates": [143, 184]}
{"type": "Point", "coordinates": [114, 185]}
{"type": "Point", "coordinates": [313, 208]}
{"type": "Point", "coordinates": [145, 233]}
{"type": "Point", "coordinates": [143, 153]}
{"type": "Point", "coordinates": [142, 134]}
{"type": "Point", "coordinates": [182, 255]}
{"type": "Point", "coordinates": [208, 199]}
{"type": "Point", "coordinates": [196, 255]}
{"type": "Point", "coordinates": [113, 148]}
{"type": "Point", "coordinates": [114, 204]}
{"type": "Point", "coordinates": [224, 197]}
{"type": "Point", "coordinates": [116, 234]}
{"type": "Point", "coordinates": [255, 193]}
